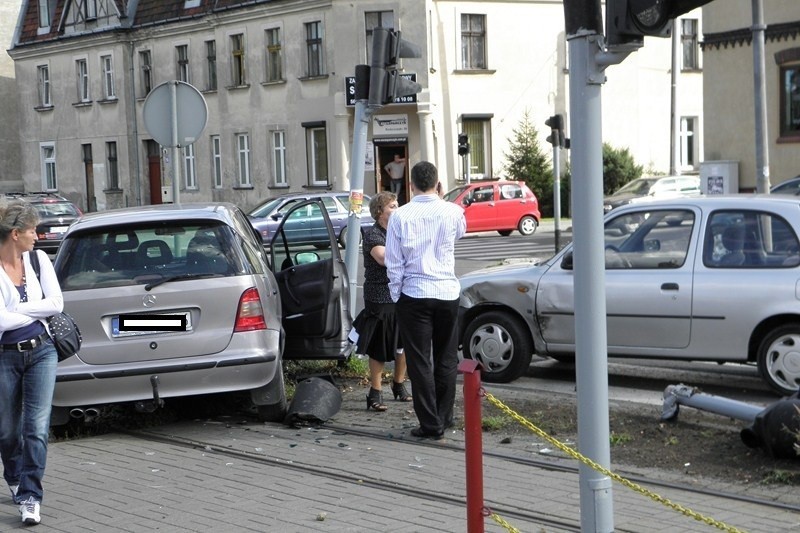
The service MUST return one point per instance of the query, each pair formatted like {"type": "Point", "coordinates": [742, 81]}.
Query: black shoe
{"type": "Point", "coordinates": [422, 434]}
{"type": "Point", "coordinates": [400, 392]}
{"type": "Point", "coordinates": [375, 400]}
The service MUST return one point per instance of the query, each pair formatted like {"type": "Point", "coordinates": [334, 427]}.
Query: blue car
{"type": "Point", "coordinates": [306, 225]}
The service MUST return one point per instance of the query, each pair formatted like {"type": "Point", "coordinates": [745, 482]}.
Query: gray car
{"type": "Point", "coordinates": [706, 279]}
{"type": "Point", "coordinates": [183, 300]}
{"type": "Point", "coordinates": [652, 188]}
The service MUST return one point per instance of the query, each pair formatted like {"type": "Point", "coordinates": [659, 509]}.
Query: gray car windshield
{"type": "Point", "coordinates": [114, 257]}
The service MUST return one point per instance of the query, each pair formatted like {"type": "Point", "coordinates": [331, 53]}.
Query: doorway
{"type": "Point", "coordinates": [154, 171]}
{"type": "Point", "coordinates": [387, 164]}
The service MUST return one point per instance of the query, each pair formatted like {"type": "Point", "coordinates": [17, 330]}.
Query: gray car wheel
{"type": "Point", "coordinates": [270, 400]}
{"type": "Point", "coordinates": [527, 225]}
{"type": "Point", "coordinates": [779, 359]}
{"type": "Point", "coordinates": [501, 343]}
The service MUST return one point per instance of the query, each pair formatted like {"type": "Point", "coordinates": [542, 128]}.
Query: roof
{"type": "Point", "coordinates": [218, 211]}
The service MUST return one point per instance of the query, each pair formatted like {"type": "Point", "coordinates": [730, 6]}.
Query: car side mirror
{"type": "Point", "coordinates": [566, 261]}
{"type": "Point", "coordinates": [303, 258]}
{"type": "Point", "coordinates": [467, 202]}
{"type": "Point", "coordinates": [277, 216]}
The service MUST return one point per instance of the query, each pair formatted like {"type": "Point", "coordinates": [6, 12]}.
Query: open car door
{"type": "Point", "coordinates": [312, 280]}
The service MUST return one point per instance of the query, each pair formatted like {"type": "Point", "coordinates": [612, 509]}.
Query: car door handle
{"type": "Point", "coordinates": [669, 286]}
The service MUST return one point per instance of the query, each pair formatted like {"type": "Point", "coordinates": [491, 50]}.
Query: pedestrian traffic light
{"type": "Point", "coordinates": [628, 21]}
{"type": "Point", "coordinates": [556, 125]}
{"type": "Point", "coordinates": [385, 84]}
{"type": "Point", "coordinates": [463, 144]}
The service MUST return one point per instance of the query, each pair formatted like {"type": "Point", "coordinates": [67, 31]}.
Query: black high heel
{"type": "Point", "coordinates": [400, 392]}
{"type": "Point", "coordinates": [375, 400]}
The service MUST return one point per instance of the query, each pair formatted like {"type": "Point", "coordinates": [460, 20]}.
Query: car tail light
{"type": "Point", "coordinates": [250, 316]}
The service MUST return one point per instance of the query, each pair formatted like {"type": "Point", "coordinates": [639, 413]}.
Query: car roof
{"type": "Point", "coordinates": [731, 201]}
{"type": "Point", "coordinates": [222, 212]}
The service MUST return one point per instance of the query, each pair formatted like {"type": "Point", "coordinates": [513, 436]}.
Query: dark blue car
{"type": "Point", "coordinates": [307, 225]}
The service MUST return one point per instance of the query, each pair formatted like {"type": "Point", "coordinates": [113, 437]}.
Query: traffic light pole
{"type": "Point", "coordinates": [557, 196]}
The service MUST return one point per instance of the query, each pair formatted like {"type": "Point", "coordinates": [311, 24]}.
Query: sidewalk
{"type": "Point", "coordinates": [228, 475]}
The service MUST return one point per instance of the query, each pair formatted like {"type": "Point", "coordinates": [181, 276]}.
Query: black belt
{"type": "Point", "coordinates": [24, 346]}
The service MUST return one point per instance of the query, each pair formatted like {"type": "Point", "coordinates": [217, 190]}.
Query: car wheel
{"type": "Point", "coordinates": [343, 237]}
{"type": "Point", "coordinates": [504, 232]}
{"type": "Point", "coordinates": [779, 359]}
{"type": "Point", "coordinates": [528, 225]}
{"type": "Point", "coordinates": [270, 400]}
{"type": "Point", "coordinates": [501, 343]}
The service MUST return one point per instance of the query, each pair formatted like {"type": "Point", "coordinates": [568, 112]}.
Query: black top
{"type": "Point", "coordinates": [376, 281]}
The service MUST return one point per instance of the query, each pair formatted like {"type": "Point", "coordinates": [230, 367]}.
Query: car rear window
{"type": "Point", "coordinates": [119, 256]}
{"type": "Point", "coordinates": [62, 209]}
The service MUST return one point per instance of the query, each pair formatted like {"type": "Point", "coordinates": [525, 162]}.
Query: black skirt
{"type": "Point", "coordinates": [378, 337]}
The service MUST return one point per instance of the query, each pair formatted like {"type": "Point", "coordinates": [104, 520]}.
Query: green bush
{"type": "Point", "coordinates": [618, 168]}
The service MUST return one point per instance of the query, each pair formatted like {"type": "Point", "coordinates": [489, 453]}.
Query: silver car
{"type": "Point", "coordinates": [182, 300]}
{"type": "Point", "coordinates": [707, 278]}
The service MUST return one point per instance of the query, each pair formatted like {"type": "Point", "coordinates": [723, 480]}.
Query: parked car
{"type": "Point", "coordinates": [705, 279]}
{"type": "Point", "coordinates": [184, 300]}
{"type": "Point", "coordinates": [502, 206]}
{"type": "Point", "coordinates": [790, 186]}
{"type": "Point", "coordinates": [653, 188]}
{"type": "Point", "coordinates": [56, 213]}
{"type": "Point", "coordinates": [308, 226]}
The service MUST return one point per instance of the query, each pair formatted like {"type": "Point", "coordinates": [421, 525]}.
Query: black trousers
{"type": "Point", "coordinates": [428, 328]}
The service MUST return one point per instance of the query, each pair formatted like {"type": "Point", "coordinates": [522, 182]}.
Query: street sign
{"type": "Point", "coordinates": [189, 111]}
{"type": "Point", "coordinates": [350, 90]}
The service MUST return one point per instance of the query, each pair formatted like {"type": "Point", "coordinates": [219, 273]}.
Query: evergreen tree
{"type": "Point", "coordinates": [526, 161]}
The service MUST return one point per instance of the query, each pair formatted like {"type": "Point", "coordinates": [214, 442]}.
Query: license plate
{"type": "Point", "coordinates": [135, 324]}
{"type": "Point", "coordinates": [58, 229]}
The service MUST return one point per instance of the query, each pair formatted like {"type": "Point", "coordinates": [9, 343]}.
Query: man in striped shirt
{"type": "Point", "coordinates": [420, 262]}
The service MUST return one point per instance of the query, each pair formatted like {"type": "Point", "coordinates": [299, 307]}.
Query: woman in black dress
{"type": "Point", "coordinates": [376, 324]}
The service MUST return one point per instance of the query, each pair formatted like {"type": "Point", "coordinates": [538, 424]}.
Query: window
{"type": "Point", "coordinates": [473, 42]}
{"type": "Point", "coordinates": [83, 80]}
{"type": "Point", "coordinates": [44, 13]}
{"type": "Point", "coordinates": [211, 65]}
{"type": "Point", "coordinates": [182, 57]}
{"type": "Point", "coordinates": [376, 19]}
{"type": "Point", "coordinates": [279, 157]}
{"type": "Point", "coordinates": [689, 140]}
{"type": "Point", "coordinates": [790, 100]}
{"type": "Point", "coordinates": [216, 160]}
{"type": "Point", "coordinates": [189, 170]}
{"type": "Point", "coordinates": [43, 74]}
{"type": "Point", "coordinates": [689, 45]}
{"type": "Point", "coordinates": [107, 64]}
{"type": "Point", "coordinates": [749, 239]}
{"type": "Point", "coordinates": [479, 133]}
{"type": "Point", "coordinates": [274, 67]}
{"type": "Point", "coordinates": [237, 60]}
{"type": "Point", "coordinates": [243, 160]}
{"type": "Point", "coordinates": [657, 239]}
{"type": "Point", "coordinates": [314, 58]}
{"type": "Point", "coordinates": [145, 63]}
{"type": "Point", "coordinates": [317, 153]}
{"type": "Point", "coordinates": [112, 168]}
{"type": "Point", "coordinates": [90, 9]}
{"type": "Point", "coordinates": [48, 155]}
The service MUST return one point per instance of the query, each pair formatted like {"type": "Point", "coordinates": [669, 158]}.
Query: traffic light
{"type": "Point", "coordinates": [463, 144]}
{"type": "Point", "coordinates": [384, 81]}
{"type": "Point", "coordinates": [628, 21]}
{"type": "Point", "coordinates": [556, 125]}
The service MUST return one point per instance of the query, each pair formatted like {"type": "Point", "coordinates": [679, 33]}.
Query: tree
{"type": "Point", "coordinates": [618, 168]}
{"type": "Point", "coordinates": [525, 161]}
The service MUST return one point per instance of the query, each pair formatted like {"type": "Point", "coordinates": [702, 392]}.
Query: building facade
{"type": "Point", "coordinates": [729, 87]}
{"type": "Point", "coordinates": [10, 166]}
{"type": "Point", "coordinates": [276, 76]}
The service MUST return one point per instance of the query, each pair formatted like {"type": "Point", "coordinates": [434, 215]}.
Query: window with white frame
{"type": "Point", "coordinates": [90, 9]}
{"type": "Point", "coordinates": [274, 55]}
{"type": "Point", "coordinates": [317, 153]}
{"type": "Point", "coordinates": [314, 53]}
{"type": "Point", "coordinates": [376, 19]}
{"type": "Point", "coordinates": [689, 143]}
{"type": "Point", "coordinates": [82, 72]}
{"type": "Point", "coordinates": [107, 64]}
{"type": "Point", "coordinates": [238, 73]}
{"type": "Point", "coordinates": [182, 59]}
{"type": "Point", "coordinates": [473, 42]}
{"type": "Point", "coordinates": [48, 161]}
{"type": "Point", "coordinates": [479, 133]}
{"type": "Point", "coordinates": [43, 75]}
{"type": "Point", "coordinates": [45, 9]}
{"type": "Point", "coordinates": [145, 64]}
{"type": "Point", "coordinates": [211, 65]}
{"type": "Point", "coordinates": [279, 156]}
{"type": "Point", "coordinates": [243, 159]}
{"type": "Point", "coordinates": [112, 166]}
{"type": "Point", "coordinates": [689, 44]}
{"type": "Point", "coordinates": [216, 160]}
{"type": "Point", "coordinates": [189, 169]}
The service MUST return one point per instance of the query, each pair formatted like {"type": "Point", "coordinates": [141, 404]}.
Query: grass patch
{"type": "Point", "coordinates": [781, 477]}
{"type": "Point", "coordinates": [495, 423]}
{"type": "Point", "coordinates": [617, 439]}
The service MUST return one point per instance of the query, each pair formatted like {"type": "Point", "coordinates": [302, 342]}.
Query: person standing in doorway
{"type": "Point", "coordinates": [420, 263]}
{"type": "Point", "coordinates": [397, 172]}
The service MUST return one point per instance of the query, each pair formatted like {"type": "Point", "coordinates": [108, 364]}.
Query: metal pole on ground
{"type": "Point", "coordinates": [473, 445]}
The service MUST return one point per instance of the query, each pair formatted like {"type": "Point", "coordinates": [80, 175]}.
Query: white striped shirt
{"type": "Point", "coordinates": [420, 246]}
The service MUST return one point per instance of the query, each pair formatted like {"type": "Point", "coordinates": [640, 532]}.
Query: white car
{"type": "Point", "coordinates": [653, 188]}
{"type": "Point", "coordinates": [706, 278]}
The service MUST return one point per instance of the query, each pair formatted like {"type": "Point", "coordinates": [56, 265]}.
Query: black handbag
{"type": "Point", "coordinates": [62, 328]}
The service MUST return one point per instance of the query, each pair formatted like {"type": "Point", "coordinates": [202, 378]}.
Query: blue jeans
{"type": "Point", "coordinates": [27, 381]}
